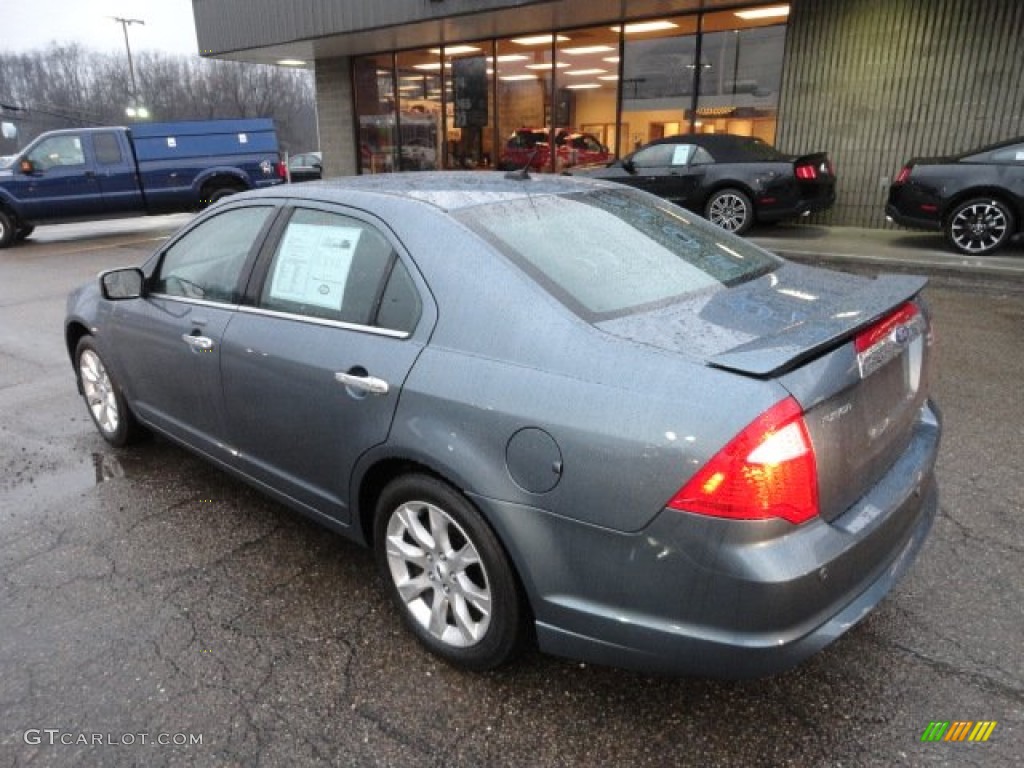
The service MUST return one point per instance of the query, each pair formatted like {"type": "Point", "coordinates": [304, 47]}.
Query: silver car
{"type": "Point", "coordinates": [560, 411]}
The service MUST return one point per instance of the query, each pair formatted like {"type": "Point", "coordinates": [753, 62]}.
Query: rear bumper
{"type": "Point", "coordinates": [911, 222]}
{"type": "Point", "coordinates": [693, 595]}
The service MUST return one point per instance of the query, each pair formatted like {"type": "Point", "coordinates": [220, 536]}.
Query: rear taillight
{"type": "Point", "coordinates": [806, 172]}
{"type": "Point", "coordinates": [282, 170]}
{"type": "Point", "coordinates": [767, 470]}
{"type": "Point", "coordinates": [903, 176]}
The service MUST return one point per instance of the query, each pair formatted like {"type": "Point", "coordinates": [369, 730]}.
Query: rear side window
{"type": "Point", "coordinates": [108, 151]}
{"type": "Point", "coordinates": [334, 267]}
{"type": "Point", "coordinates": [606, 253]}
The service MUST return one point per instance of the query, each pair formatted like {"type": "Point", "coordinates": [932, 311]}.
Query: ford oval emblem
{"type": "Point", "coordinates": [901, 334]}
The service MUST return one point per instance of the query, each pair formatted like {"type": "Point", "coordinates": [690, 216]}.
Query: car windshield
{"type": "Point", "coordinates": [610, 253]}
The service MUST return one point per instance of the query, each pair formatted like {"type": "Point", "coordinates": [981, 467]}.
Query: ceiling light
{"type": "Point", "coordinates": [583, 86]}
{"type": "Point", "coordinates": [647, 26]}
{"type": "Point", "coordinates": [291, 62]}
{"type": "Point", "coordinates": [584, 50]}
{"type": "Point", "coordinates": [608, 77]}
{"type": "Point", "coordinates": [611, 59]}
{"type": "Point", "coordinates": [455, 50]}
{"type": "Point", "coordinates": [517, 77]}
{"type": "Point", "coordinates": [432, 66]}
{"type": "Point", "coordinates": [547, 65]}
{"type": "Point", "coordinates": [510, 57]}
{"type": "Point", "coordinates": [771, 12]}
{"type": "Point", "coordinates": [539, 39]}
{"type": "Point", "coordinates": [581, 72]}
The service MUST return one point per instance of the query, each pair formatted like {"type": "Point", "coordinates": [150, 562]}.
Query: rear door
{"type": "Point", "coordinates": [115, 174]}
{"type": "Point", "coordinates": [313, 368]}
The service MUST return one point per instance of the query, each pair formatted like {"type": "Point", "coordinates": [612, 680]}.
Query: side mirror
{"type": "Point", "coordinates": [119, 284]}
{"type": "Point", "coordinates": [27, 167]}
{"type": "Point", "coordinates": [629, 165]}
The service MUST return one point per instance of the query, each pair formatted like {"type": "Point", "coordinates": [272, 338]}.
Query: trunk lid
{"type": "Point", "coordinates": [854, 352]}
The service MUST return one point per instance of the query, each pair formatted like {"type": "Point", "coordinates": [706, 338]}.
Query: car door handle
{"type": "Point", "coordinates": [200, 343]}
{"type": "Point", "coordinates": [369, 384]}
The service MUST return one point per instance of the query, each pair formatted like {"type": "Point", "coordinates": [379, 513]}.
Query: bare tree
{"type": "Point", "coordinates": [69, 86]}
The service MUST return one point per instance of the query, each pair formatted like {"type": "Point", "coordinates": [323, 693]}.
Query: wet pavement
{"type": "Point", "coordinates": [146, 597]}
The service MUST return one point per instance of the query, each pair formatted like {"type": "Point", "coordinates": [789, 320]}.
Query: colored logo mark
{"type": "Point", "coordinates": [959, 730]}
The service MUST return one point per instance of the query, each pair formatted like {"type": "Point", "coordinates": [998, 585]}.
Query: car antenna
{"type": "Point", "coordinates": [523, 174]}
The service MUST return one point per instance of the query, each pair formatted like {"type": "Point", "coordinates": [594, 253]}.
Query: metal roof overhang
{"type": "Point", "coordinates": [268, 31]}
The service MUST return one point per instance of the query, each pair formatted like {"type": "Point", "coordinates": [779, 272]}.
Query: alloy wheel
{"type": "Point", "coordinates": [99, 392]}
{"type": "Point", "coordinates": [979, 227]}
{"type": "Point", "coordinates": [729, 211]}
{"type": "Point", "coordinates": [439, 574]}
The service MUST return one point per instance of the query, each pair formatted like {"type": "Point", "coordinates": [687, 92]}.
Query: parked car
{"type": "Point", "coordinates": [975, 198]}
{"type": "Point", "coordinates": [632, 436]}
{"type": "Point", "coordinates": [306, 166]}
{"type": "Point", "coordinates": [150, 168]}
{"type": "Point", "coordinates": [733, 181]}
{"type": "Point", "coordinates": [531, 146]}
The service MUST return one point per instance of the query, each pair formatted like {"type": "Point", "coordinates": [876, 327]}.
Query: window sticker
{"type": "Point", "coordinates": [1019, 156]}
{"type": "Point", "coordinates": [313, 264]}
{"type": "Point", "coordinates": [680, 154]}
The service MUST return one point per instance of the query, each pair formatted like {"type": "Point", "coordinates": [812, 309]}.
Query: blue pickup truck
{"type": "Point", "coordinates": [149, 168]}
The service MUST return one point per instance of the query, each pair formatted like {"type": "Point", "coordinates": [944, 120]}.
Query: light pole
{"type": "Point", "coordinates": [135, 109]}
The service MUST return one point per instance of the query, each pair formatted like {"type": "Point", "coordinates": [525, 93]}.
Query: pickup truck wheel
{"type": "Point", "coordinates": [6, 230]}
{"type": "Point", "coordinates": [220, 193]}
{"type": "Point", "coordinates": [23, 233]}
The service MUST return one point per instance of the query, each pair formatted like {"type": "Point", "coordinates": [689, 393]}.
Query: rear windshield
{"type": "Point", "coordinates": [610, 253]}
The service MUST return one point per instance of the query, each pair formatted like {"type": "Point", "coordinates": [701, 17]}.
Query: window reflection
{"type": "Point", "coordinates": [375, 107]}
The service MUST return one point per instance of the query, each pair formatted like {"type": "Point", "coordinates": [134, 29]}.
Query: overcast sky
{"type": "Point", "coordinates": [33, 24]}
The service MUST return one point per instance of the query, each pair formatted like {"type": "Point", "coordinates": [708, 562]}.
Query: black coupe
{"type": "Point", "coordinates": [733, 181]}
{"type": "Point", "coordinates": [976, 198]}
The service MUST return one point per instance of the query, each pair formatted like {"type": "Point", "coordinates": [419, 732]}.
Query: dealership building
{"type": "Point", "coordinates": [423, 84]}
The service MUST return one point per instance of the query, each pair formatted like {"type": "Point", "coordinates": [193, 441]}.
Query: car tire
{"type": "Point", "coordinates": [447, 573]}
{"type": "Point", "coordinates": [7, 230]}
{"type": "Point", "coordinates": [22, 233]}
{"type": "Point", "coordinates": [979, 226]}
{"type": "Point", "coordinates": [731, 210]}
{"type": "Point", "coordinates": [103, 396]}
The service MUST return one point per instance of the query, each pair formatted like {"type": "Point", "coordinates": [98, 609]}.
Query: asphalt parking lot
{"type": "Point", "coordinates": [146, 597]}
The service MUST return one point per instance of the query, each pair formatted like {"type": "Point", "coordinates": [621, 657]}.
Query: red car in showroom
{"type": "Point", "coordinates": [532, 146]}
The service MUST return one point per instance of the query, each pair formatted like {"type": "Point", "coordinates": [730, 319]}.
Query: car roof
{"type": "Point", "coordinates": [723, 146]}
{"type": "Point", "coordinates": [447, 190]}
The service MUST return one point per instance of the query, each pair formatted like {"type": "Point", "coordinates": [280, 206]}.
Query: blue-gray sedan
{"type": "Point", "coordinates": [559, 410]}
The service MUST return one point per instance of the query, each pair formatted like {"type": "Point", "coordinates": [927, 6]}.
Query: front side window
{"type": "Point", "coordinates": [657, 156]}
{"type": "Point", "coordinates": [58, 151]}
{"type": "Point", "coordinates": [625, 253]}
{"type": "Point", "coordinates": [207, 262]}
{"type": "Point", "coordinates": [333, 267]}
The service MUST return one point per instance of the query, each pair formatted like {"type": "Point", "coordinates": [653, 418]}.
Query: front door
{"type": "Point", "coordinates": [173, 336]}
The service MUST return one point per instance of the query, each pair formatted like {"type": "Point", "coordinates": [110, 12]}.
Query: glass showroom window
{"type": "Point", "coordinates": [420, 110]}
{"type": "Point", "coordinates": [469, 104]}
{"type": "Point", "coordinates": [658, 75]}
{"type": "Point", "coordinates": [523, 68]}
{"type": "Point", "coordinates": [375, 107]}
{"type": "Point", "coordinates": [741, 72]}
{"type": "Point", "coordinates": [586, 89]}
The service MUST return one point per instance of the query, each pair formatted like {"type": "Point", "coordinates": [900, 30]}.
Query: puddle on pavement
{"type": "Point", "coordinates": [41, 480]}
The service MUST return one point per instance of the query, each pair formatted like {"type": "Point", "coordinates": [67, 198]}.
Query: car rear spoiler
{"type": "Point", "coordinates": [774, 354]}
